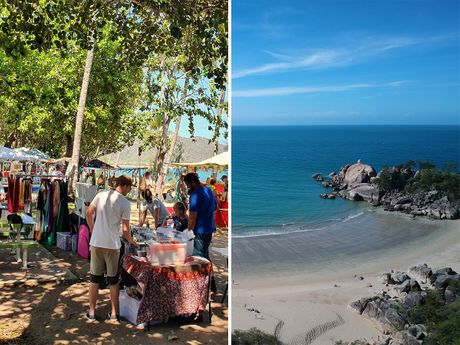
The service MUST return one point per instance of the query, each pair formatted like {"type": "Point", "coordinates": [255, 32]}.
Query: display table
{"type": "Point", "coordinates": [170, 290]}
{"type": "Point", "coordinates": [14, 232]}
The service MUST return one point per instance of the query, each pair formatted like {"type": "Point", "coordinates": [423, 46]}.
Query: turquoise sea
{"type": "Point", "coordinates": [272, 187]}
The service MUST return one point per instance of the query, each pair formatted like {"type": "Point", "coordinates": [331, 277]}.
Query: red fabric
{"type": "Point", "coordinates": [222, 215]}
{"type": "Point", "coordinates": [220, 188]}
{"type": "Point", "coordinates": [13, 195]}
{"type": "Point", "coordinates": [170, 290]}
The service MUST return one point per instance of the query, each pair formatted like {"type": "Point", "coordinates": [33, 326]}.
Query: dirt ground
{"type": "Point", "coordinates": [53, 313]}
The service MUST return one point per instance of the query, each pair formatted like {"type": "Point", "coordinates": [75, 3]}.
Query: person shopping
{"type": "Point", "coordinates": [111, 209]}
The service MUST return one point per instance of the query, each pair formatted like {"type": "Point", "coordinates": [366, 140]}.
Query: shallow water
{"type": "Point", "coordinates": [372, 237]}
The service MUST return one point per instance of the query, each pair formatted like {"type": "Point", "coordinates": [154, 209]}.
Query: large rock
{"type": "Point", "coordinates": [359, 173]}
{"type": "Point", "coordinates": [412, 299]}
{"type": "Point", "coordinates": [365, 192]}
{"type": "Point", "coordinates": [451, 212]}
{"type": "Point", "coordinates": [443, 280]}
{"type": "Point", "coordinates": [446, 270]}
{"type": "Point", "coordinates": [318, 177]}
{"type": "Point", "coordinates": [399, 289]}
{"type": "Point", "coordinates": [402, 200]}
{"type": "Point", "coordinates": [420, 272]}
{"type": "Point", "coordinates": [417, 331]}
{"type": "Point", "coordinates": [360, 305]}
{"type": "Point", "coordinates": [399, 277]}
{"type": "Point", "coordinates": [383, 312]}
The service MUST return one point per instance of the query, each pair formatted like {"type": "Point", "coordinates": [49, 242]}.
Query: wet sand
{"type": "Point", "coordinates": [307, 279]}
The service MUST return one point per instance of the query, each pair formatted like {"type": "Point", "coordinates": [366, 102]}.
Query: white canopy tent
{"type": "Point", "coordinates": [30, 154]}
{"type": "Point", "coordinates": [7, 154]}
{"type": "Point", "coordinates": [220, 160]}
{"type": "Point", "coordinates": [22, 155]}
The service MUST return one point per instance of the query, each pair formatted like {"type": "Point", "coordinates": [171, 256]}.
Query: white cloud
{"type": "Point", "coordinates": [283, 91]}
{"type": "Point", "coordinates": [335, 57]}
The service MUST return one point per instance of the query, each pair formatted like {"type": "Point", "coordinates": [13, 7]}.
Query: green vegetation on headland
{"type": "Point", "coordinates": [441, 319]}
{"type": "Point", "coordinates": [404, 178]}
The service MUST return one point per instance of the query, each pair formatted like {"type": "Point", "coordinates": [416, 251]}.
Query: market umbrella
{"type": "Point", "coordinates": [7, 154]}
{"type": "Point", "coordinates": [220, 160]}
{"type": "Point", "coordinates": [35, 153]}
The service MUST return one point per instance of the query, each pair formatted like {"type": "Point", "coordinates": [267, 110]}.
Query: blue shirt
{"type": "Point", "coordinates": [202, 202]}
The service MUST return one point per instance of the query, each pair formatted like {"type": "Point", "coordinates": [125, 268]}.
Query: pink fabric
{"type": "Point", "coordinates": [83, 241]}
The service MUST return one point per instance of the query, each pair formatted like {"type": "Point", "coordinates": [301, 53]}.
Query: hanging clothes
{"type": "Point", "coordinates": [41, 200]}
{"type": "Point", "coordinates": [27, 191]}
{"type": "Point", "coordinates": [13, 195]}
{"type": "Point", "coordinates": [21, 193]}
{"type": "Point", "coordinates": [48, 213]}
{"type": "Point", "coordinates": [63, 218]}
{"type": "Point", "coordinates": [56, 197]}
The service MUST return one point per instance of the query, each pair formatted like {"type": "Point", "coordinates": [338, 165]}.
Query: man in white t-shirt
{"type": "Point", "coordinates": [111, 209]}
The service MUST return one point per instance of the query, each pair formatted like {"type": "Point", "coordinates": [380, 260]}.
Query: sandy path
{"type": "Point", "coordinates": [54, 314]}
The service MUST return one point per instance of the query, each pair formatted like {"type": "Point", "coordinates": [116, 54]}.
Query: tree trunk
{"type": "Point", "coordinates": [79, 120]}
{"type": "Point", "coordinates": [162, 147]}
{"type": "Point", "coordinates": [219, 114]}
{"type": "Point", "coordinates": [170, 153]}
{"type": "Point", "coordinates": [68, 145]}
{"type": "Point", "coordinates": [161, 155]}
{"type": "Point", "coordinates": [11, 138]}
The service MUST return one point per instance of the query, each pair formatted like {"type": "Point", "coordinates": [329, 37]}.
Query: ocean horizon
{"type": "Point", "coordinates": [272, 186]}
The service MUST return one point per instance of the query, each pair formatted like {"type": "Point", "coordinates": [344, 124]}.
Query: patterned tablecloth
{"type": "Point", "coordinates": [170, 290]}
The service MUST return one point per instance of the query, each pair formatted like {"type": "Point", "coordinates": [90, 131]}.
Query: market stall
{"type": "Point", "coordinates": [169, 283]}
{"type": "Point", "coordinates": [169, 291]}
{"type": "Point", "coordinates": [216, 163]}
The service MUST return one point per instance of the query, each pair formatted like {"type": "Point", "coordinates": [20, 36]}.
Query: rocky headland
{"type": "Point", "coordinates": [426, 192]}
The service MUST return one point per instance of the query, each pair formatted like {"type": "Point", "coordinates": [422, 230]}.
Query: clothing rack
{"type": "Point", "coordinates": [57, 177]}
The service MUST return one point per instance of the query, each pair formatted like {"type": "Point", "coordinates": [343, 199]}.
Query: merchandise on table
{"type": "Point", "coordinates": [168, 253]}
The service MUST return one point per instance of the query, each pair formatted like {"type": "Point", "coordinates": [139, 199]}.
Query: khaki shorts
{"type": "Point", "coordinates": [104, 260]}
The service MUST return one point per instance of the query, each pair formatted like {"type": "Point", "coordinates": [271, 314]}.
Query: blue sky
{"type": "Point", "coordinates": [201, 129]}
{"type": "Point", "coordinates": [345, 62]}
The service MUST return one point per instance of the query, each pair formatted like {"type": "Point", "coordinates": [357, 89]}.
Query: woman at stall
{"type": "Point", "coordinates": [156, 208]}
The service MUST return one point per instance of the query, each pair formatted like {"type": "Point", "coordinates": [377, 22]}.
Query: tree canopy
{"type": "Point", "coordinates": [43, 44]}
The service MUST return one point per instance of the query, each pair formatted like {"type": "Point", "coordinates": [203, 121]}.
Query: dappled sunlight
{"type": "Point", "coordinates": [39, 306]}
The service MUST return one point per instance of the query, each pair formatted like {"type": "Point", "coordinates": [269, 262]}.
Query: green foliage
{"type": "Point", "coordinates": [426, 165]}
{"type": "Point", "coordinates": [170, 39]}
{"type": "Point", "coordinates": [393, 179]}
{"type": "Point", "coordinates": [141, 27]}
{"type": "Point", "coordinates": [401, 177]}
{"type": "Point", "coordinates": [447, 183]}
{"type": "Point", "coordinates": [253, 336]}
{"type": "Point", "coordinates": [442, 320]}
{"type": "Point", "coordinates": [39, 92]}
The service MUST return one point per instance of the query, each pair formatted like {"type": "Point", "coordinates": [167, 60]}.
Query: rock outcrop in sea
{"type": "Point", "coordinates": [359, 182]}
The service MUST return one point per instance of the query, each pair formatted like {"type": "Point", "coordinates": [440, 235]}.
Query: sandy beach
{"type": "Point", "coordinates": [307, 279]}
